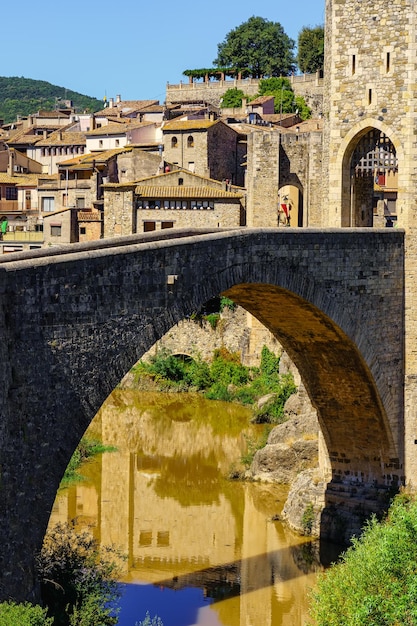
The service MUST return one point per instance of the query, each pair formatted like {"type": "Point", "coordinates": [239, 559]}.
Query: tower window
{"type": "Point", "coordinates": [369, 96]}
{"type": "Point", "coordinates": [388, 62]}
{"type": "Point", "coordinates": [353, 64]}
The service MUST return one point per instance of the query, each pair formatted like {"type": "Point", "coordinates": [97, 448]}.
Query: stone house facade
{"type": "Point", "coordinates": [206, 147]}
{"type": "Point", "coordinates": [56, 147]}
{"type": "Point", "coordinates": [175, 199]}
{"type": "Point", "coordinates": [60, 227]}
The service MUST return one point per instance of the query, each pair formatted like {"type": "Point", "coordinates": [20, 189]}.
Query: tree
{"type": "Point", "coordinates": [310, 57]}
{"type": "Point", "coordinates": [259, 46]}
{"type": "Point", "coordinates": [285, 101]}
{"type": "Point", "coordinates": [232, 98]}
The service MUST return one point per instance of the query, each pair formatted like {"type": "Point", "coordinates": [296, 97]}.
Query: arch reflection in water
{"type": "Point", "coordinates": [200, 548]}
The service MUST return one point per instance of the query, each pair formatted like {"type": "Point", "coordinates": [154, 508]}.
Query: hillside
{"type": "Point", "coordinates": [23, 96]}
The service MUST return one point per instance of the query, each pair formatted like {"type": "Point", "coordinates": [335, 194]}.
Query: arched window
{"type": "Point", "coordinates": [180, 181]}
{"type": "Point", "coordinates": [190, 142]}
{"type": "Point", "coordinates": [174, 142]}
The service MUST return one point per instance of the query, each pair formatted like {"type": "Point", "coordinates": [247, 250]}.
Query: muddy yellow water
{"type": "Point", "coordinates": [201, 549]}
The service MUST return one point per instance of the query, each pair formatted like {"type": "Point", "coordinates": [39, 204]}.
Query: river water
{"type": "Point", "coordinates": [201, 549]}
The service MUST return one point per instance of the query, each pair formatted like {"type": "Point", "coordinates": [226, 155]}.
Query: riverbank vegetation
{"type": "Point", "coordinates": [375, 583]}
{"type": "Point", "coordinates": [224, 378]}
{"type": "Point", "coordinates": [86, 450]}
{"type": "Point", "coordinates": [79, 580]}
{"type": "Point", "coordinates": [79, 583]}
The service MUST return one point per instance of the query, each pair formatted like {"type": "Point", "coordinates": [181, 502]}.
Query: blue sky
{"type": "Point", "coordinates": [132, 48]}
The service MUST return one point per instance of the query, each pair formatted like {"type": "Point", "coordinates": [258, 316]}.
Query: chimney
{"type": "Point", "coordinates": [10, 167]}
{"type": "Point", "coordinates": [111, 103]}
{"type": "Point", "coordinates": [118, 98]}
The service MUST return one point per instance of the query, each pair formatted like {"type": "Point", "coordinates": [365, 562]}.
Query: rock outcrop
{"type": "Point", "coordinates": [292, 446]}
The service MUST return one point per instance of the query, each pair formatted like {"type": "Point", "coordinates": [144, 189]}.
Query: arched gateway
{"type": "Point", "coordinates": [73, 322]}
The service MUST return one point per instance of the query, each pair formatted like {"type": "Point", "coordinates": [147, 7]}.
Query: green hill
{"type": "Point", "coordinates": [24, 96]}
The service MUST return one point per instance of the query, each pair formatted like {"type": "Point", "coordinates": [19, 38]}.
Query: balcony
{"type": "Point", "coordinates": [8, 206]}
{"type": "Point", "coordinates": [23, 236]}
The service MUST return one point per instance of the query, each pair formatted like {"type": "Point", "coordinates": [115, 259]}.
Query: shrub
{"type": "Point", "coordinates": [12, 614]}
{"type": "Point", "coordinates": [307, 519]}
{"type": "Point", "coordinates": [226, 303]}
{"type": "Point", "coordinates": [78, 580]}
{"type": "Point", "coordinates": [197, 374]}
{"type": "Point", "coordinates": [272, 412]}
{"type": "Point", "coordinates": [86, 449]}
{"type": "Point", "coordinates": [219, 391]}
{"type": "Point", "coordinates": [227, 369]}
{"type": "Point", "coordinates": [253, 445]}
{"type": "Point", "coordinates": [375, 584]}
{"type": "Point", "coordinates": [269, 365]}
{"type": "Point", "coordinates": [167, 366]}
{"type": "Point", "coordinates": [212, 319]}
{"type": "Point", "coordinates": [155, 621]}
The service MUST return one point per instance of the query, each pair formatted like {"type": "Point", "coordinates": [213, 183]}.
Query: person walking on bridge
{"type": "Point", "coordinates": [3, 227]}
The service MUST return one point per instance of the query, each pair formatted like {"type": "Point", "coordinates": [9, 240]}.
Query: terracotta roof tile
{"type": "Point", "coordinates": [113, 128]}
{"type": "Point", "coordinates": [125, 107]}
{"type": "Point", "coordinates": [179, 191]}
{"type": "Point", "coordinates": [62, 138]}
{"type": "Point", "coordinates": [19, 179]}
{"type": "Point", "coordinates": [260, 100]}
{"type": "Point", "coordinates": [188, 125]}
{"type": "Point", "coordinates": [97, 157]}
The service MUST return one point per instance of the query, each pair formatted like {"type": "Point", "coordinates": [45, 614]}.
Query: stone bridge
{"type": "Point", "coordinates": [74, 320]}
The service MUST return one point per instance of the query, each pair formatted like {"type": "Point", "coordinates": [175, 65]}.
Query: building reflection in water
{"type": "Point", "coordinates": [164, 500]}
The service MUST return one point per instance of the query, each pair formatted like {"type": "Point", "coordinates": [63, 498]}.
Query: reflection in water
{"type": "Point", "coordinates": [200, 549]}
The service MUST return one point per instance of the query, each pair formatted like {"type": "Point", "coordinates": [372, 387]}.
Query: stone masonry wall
{"type": "Point", "coordinates": [276, 160]}
{"type": "Point", "coordinates": [310, 86]}
{"type": "Point", "coordinates": [370, 82]}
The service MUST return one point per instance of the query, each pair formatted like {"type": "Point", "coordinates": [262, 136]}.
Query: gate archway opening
{"type": "Point", "coordinates": [370, 181]}
{"type": "Point", "coordinates": [290, 206]}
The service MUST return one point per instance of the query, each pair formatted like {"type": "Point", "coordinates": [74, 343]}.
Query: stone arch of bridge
{"type": "Point", "coordinates": [337, 379]}
{"type": "Point", "coordinates": [357, 192]}
{"type": "Point", "coordinates": [93, 314]}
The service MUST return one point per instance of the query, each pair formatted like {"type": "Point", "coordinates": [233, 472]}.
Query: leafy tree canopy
{"type": "Point", "coordinates": [232, 98]}
{"type": "Point", "coordinates": [310, 57]}
{"type": "Point", "coordinates": [285, 101]}
{"type": "Point", "coordinates": [260, 46]}
{"type": "Point", "coordinates": [24, 96]}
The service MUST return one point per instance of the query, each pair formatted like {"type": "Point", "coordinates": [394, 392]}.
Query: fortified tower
{"type": "Point", "coordinates": [370, 146]}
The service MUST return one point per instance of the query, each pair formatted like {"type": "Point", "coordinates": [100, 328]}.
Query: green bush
{"type": "Point", "coordinates": [253, 445]}
{"type": "Point", "coordinates": [155, 621]}
{"type": "Point", "coordinates": [232, 98]}
{"type": "Point", "coordinates": [212, 319]}
{"type": "Point", "coordinates": [219, 391]}
{"type": "Point", "coordinates": [78, 580]}
{"type": "Point", "coordinates": [224, 379]}
{"type": "Point", "coordinates": [307, 519]}
{"type": "Point", "coordinates": [375, 583]}
{"type": "Point", "coordinates": [12, 614]}
{"type": "Point", "coordinates": [167, 366]}
{"type": "Point", "coordinates": [226, 303]}
{"type": "Point", "coordinates": [197, 374]}
{"type": "Point", "coordinates": [86, 450]}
